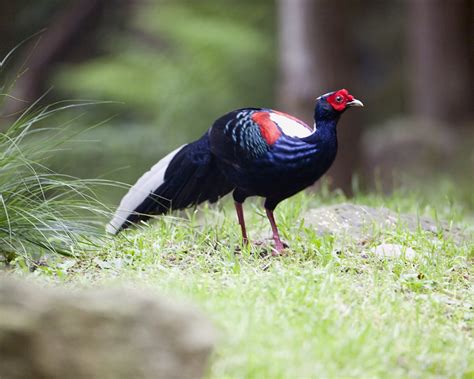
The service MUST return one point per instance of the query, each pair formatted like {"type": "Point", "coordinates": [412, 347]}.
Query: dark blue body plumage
{"type": "Point", "coordinates": [277, 171]}
{"type": "Point", "coordinates": [250, 151]}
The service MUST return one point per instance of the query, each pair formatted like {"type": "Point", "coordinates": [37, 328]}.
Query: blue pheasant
{"type": "Point", "coordinates": [249, 152]}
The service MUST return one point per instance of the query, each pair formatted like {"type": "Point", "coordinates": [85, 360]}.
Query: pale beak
{"type": "Point", "coordinates": [355, 103]}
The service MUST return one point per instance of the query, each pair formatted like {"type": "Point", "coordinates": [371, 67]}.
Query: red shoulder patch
{"type": "Point", "coordinates": [268, 128]}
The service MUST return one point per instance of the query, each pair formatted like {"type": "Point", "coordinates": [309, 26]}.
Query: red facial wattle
{"type": "Point", "coordinates": [339, 99]}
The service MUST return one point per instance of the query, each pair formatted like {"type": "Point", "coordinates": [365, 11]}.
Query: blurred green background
{"type": "Point", "coordinates": [170, 67]}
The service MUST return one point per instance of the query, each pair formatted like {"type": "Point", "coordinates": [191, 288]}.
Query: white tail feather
{"type": "Point", "coordinates": [147, 184]}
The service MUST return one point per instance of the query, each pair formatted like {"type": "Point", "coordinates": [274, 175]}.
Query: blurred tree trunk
{"type": "Point", "coordinates": [440, 53]}
{"type": "Point", "coordinates": [8, 10]}
{"type": "Point", "coordinates": [51, 46]}
{"type": "Point", "coordinates": [317, 56]}
{"type": "Point", "coordinates": [71, 34]}
{"type": "Point", "coordinates": [299, 82]}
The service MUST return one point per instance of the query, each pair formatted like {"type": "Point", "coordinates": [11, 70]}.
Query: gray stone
{"type": "Point", "coordinates": [391, 250]}
{"type": "Point", "coordinates": [390, 149]}
{"type": "Point", "coordinates": [99, 333]}
{"type": "Point", "coordinates": [358, 223]}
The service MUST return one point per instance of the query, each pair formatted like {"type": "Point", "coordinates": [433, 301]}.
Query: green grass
{"type": "Point", "coordinates": [326, 309]}
{"type": "Point", "coordinates": [42, 211]}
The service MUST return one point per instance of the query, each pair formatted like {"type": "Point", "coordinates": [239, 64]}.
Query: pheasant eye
{"type": "Point", "coordinates": [339, 99]}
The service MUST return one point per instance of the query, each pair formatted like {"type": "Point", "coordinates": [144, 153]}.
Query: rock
{"type": "Point", "coordinates": [98, 333]}
{"type": "Point", "coordinates": [393, 146]}
{"type": "Point", "coordinates": [390, 250]}
{"type": "Point", "coordinates": [358, 223]}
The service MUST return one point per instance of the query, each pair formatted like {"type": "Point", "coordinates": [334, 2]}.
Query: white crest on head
{"type": "Point", "coordinates": [147, 184]}
{"type": "Point", "coordinates": [291, 126]}
{"type": "Point", "coordinates": [326, 94]}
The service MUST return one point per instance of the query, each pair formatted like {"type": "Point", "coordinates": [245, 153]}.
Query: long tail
{"type": "Point", "coordinates": [187, 176]}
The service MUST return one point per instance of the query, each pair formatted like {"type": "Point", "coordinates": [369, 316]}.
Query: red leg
{"type": "Point", "coordinates": [276, 236]}
{"type": "Point", "coordinates": [240, 216]}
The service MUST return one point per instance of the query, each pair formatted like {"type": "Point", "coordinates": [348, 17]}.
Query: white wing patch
{"type": "Point", "coordinates": [291, 126]}
{"type": "Point", "coordinates": [147, 184]}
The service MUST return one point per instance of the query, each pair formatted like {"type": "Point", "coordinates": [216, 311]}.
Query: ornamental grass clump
{"type": "Point", "coordinates": [42, 211]}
